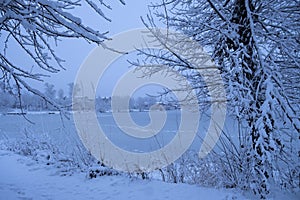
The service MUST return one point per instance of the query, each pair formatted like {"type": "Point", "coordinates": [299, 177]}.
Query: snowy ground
{"type": "Point", "coordinates": [23, 178]}
{"type": "Point", "coordinates": [30, 178]}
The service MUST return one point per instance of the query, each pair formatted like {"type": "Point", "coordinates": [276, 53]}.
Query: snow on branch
{"type": "Point", "coordinates": [35, 26]}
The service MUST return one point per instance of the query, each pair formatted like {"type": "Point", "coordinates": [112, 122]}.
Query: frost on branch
{"type": "Point", "coordinates": [256, 46]}
{"type": "Point", "coordinates": [34, 26]}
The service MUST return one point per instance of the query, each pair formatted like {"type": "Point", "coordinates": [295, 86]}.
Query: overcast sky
{"type": "Point", "coordinates": [124, 18]}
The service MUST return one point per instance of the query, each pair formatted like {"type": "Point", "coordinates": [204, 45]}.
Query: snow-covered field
{"type": "Point", "coordinates": [22, 178]}
{"type": "Point", "coordinates": [46, 163]}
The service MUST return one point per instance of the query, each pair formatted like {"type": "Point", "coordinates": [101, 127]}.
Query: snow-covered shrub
{"type": "Point", "coordinates": [45, 151]}
{"type": "Point", "coordinates": [99, 170]}
{"type": "Point", "coordinates": [192, 170]}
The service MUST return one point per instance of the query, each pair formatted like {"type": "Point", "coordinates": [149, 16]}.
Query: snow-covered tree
{"type": "Point", "coordinates": [103, 104]}
{"type": "Point", "coordinates": [256, 46]}
{"type": "Point", "coordinates": [50, 93]}
{"type": "Point", "coordinates": [7, 101]}
{"type": "Point", "coordinates": [61, 98]}
{"type": "Point", "coordinates": [35, 26]}
{"type": "Point", "coordinates": [49, 90]}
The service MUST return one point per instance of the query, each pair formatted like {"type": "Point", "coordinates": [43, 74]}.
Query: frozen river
{"type": "Point", "coordinates": [52, 126]}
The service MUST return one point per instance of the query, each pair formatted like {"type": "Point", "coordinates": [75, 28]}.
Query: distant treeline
{"type": "Point", "coordinates": [30, 102]}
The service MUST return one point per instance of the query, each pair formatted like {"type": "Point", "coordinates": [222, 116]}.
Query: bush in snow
{"type": "Point", "coordinates": [99, 170]}
{"type": "Point", "coordinates": [43, 150]}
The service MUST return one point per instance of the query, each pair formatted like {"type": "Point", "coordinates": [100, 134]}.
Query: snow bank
{"type": "Point", "coordinates": [23, 178]}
